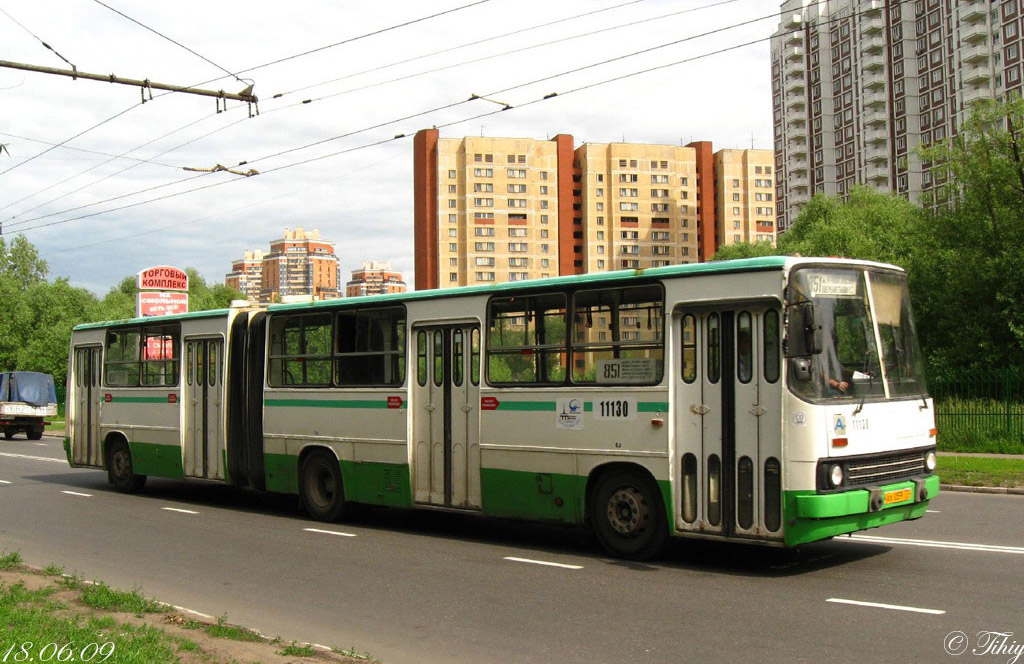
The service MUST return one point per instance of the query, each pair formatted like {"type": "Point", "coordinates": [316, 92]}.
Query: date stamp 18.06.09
{"type": "Point", "coordinates": [26, 651]}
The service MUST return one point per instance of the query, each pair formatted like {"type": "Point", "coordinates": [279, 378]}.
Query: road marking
{"type": "Point", "coordinates": [933, 511]}
{"type": "Point", "coordinates": [961, 546]}
{"type": "Point", "coordinates": [177, 509]}
{"type": "Point", "coordinates": [542, 562]}
{"type": "Point", "coordinates": [184, 610]}
{"type": "Point", "coordinates": [33, 458]}
{"type": "Point", "coordinates": [4, 482]}
{"type": "Point", "coordinates": [40, 444]}
{"type": "Point", "coordinates": [328, 532]}
{"type": "Point", "coordinates": [75, 493]}
{"type": "Point", "coordinates": [892, 607]}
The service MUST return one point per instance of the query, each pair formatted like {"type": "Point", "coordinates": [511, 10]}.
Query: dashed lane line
{"type": "Point", "coordinates": [960, 546]}
{"type": "Point", "coordinates": [76, 493]}
{"type": "Point", "coordinates": [179, 510]}
{"type": "Point", "coordinates": [545, 563]}
{"type": "Point", "coordinates": [891, 607]}
{"type": "Point", "coordinates": [328, 532]}
{"type": "Point", "coordinates": [34, 458]}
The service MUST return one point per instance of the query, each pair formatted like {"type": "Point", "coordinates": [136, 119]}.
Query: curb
{"type": "Point", "coordinates": [1016, 491]}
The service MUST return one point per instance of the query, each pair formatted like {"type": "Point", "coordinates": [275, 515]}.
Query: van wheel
{"type": "Point", "coordinates": [119, 468]}
{"type": "Point", "coordinates": [8, 434]}
{"type": "Point", "coordinates": [35, 434]}
{"type": "Point", "coordinates": [320, 486]}
{"type": "Point", "coordinates": [628, 515]}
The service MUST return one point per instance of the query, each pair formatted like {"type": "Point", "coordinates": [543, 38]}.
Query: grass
{"type": "Point", "coordinates": [981, 471]}
{"type": "Point", "coordinates": [81, 621]}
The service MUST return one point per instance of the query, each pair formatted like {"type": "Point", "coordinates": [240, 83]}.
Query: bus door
{"type": "Point", "coordinates": [446, 417]}
{"type": "Point", "coordinates": [86, 442]}
{"type": "Point", "coordinates": [204, 376]}
{"type": "Point", "coordinates": [728, 421]}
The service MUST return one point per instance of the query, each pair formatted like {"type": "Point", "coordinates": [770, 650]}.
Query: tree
{"type": "Point", "coordinates": [971, 269]}
{"type": "Point", "coordinates": [868, 225]}
{"type": "Point", "coordinates": [744, 250]}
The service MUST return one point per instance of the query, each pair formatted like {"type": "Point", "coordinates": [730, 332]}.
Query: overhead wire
{"type": "Point", "coordinates": [292, 57]}
{"type": "Point", "coordinates": [173, 41]}
{"type": "Point", "coordinates": [401, 136]}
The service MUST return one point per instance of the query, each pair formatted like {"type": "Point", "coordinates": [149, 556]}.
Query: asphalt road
{"type": "Point", "coordinates": [432, 587]}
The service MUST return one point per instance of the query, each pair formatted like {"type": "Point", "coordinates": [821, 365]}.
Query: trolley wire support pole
{"type": "Point", "coordinates": [245, 95]}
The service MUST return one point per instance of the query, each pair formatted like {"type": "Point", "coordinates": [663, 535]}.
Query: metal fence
{"type": "Point", "coordinates": [986, 402]}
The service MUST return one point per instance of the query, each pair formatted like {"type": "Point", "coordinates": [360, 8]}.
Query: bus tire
{"type": "Point", "coordinates": [628, 515]}
{"type": "Point", "coordinates": [35, 434]}
{"type": "Point", "coordinates": [119, 468]}
{"type": "Point", "coordinates": [320, 486]}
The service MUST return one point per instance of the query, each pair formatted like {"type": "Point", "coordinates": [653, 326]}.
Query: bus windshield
{"type": "Point", "coordinates": [868, 342]}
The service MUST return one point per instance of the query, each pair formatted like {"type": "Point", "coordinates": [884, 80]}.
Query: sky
{"type": "Point", "coordinates": [96, 179]}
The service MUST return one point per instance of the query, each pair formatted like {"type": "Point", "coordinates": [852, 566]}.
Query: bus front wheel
{"type": "Point", "coordinates": [320, 486]}
{"type": "Point", "coordinates": [628, 516]}
{"type": "Point", "coordinates": [119, 468]}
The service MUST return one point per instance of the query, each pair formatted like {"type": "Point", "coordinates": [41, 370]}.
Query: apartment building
{"type": "Point", "coordinates": [858, 85]}
{"type": "Point", "coordinates": [299, 265]}
{"type": "Point", "coordinates": [246, 275]}
{"type": "Point", "coordinates": [744, 193]}
{"type": "Point", "coordinates": [375, 278]}
{"type": "Point", "coordinates": [510, 209]}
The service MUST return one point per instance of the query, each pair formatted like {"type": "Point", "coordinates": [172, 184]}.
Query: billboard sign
{"type": "Point", "coordinates": [163, 278]}
{"type": "Point", "coordinates": [160, 304]}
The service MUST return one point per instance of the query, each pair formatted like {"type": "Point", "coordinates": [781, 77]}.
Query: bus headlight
{"type": "Point", "coordinates": [930, 462]}
{"type": "Point", "coordinates": [835, 475]}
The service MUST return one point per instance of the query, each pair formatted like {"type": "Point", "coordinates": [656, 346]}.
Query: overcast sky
{"type": "Point", "coordinates": [114, 197]}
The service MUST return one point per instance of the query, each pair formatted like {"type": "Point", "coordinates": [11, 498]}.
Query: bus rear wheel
{"type": "Point", "coordinates": [119, 468]}
{"type": "Point", "coordinates": [320, 486]}
{"type": "Point", "coordinates": [628, 516]}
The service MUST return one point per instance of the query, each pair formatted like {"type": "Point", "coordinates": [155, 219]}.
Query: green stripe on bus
{"type": "Point", "coordinates": [318, 403]}
{"type": "Point", "coordinates": [156, 460]}
{"type": "Point", "coordinates": [527, 405]}
{"type": "Point", "coordinates": [160, 399]}
{"type": "Point", "coordinates": [652, 406]}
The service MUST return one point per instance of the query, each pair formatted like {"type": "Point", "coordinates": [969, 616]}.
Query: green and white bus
{"type": "Point", "coordinates": [776, 400]}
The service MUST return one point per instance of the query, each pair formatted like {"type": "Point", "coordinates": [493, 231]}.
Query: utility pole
{"type": "Point", "coordinates": [245, 95]}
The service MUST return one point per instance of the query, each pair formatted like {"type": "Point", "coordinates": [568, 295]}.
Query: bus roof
{"type": "Point", "coordinates": [689, 269]}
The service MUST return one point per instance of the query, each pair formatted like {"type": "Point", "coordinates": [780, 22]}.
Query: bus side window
{"type": "Point", "coordinates": [689, 330]}
{"type": "Point", "coordinates": [771, 345]}
{"type": "Point", "coordinates": [421, 358]}
{"type": "Point", "coordinates": [714, 348]}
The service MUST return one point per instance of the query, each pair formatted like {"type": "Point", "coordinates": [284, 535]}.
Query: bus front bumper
{"type": "Point", "coordinates": [812, 516]}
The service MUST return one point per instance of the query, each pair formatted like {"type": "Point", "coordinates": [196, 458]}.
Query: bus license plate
{"type": "Point", "coordinates": [897, 496]}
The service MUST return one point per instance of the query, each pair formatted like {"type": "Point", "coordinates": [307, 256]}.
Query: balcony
{"type": "Point", "coordinates": [796, 119]}
{"type": "Point", "coordinates": [973, 11]}
{"type": "Point", "coordinates": [872, 62]}
{"type": "Point", "coordinates": [797, 150]}
{"type": "Point", "coordinates": [795, 53]}
{"type": "Point", "coordinates": [797, 182]}
{"type": "Point", "coordinates": [874, 100]}
{"type": "Point", "coordinates": [973, 93]}
{"type": "Point", "coordinates": [877, 173]}
{"type": "Point", "coordinates": [975, 32]}
{"type": "Point", "coordinates": [876, 136]}
{"type": "Point", "coordinates": [795, 86]}
{"type": "Point", "coordinates": [796, 37]}
{"type": "Point", "coordinates": [975, 53]}
{"type": "Point", "coordinates": [976, 74]}
{"type": "Point", "coordinates": [879, 157]}
{"type": "Point", "coordinates": [876, 116]}
{"type": "Point", "coordinates": [796, 102]}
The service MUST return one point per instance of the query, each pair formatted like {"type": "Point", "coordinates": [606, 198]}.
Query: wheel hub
{"type": "Point", "coordinates": [628, 513]}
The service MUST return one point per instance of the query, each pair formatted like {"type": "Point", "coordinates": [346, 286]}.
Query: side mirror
{"type": "Point", "coordinates": [803, 332]}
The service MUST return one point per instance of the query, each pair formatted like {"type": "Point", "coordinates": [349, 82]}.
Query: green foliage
{"type": "Point", "coordinates": [868, 225]}
{"type": "Point", "coordinates": [970, 269]}
{"type": "Point", "coordinates": [744, 250]}
{"type": "Point", "coordinates": [38, 314]}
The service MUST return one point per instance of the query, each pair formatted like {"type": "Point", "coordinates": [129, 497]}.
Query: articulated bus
{"type": "Point", "coordinates": [776, 400]}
